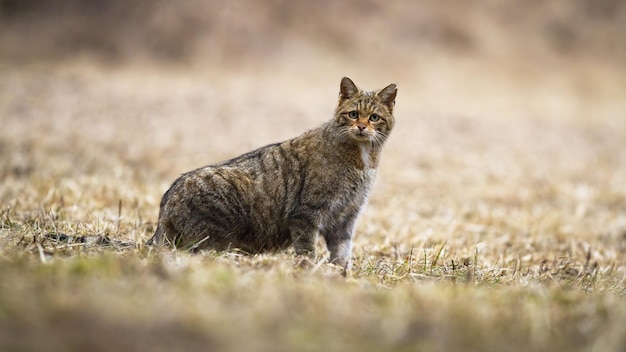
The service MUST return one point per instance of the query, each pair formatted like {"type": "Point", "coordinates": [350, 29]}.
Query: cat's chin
{"type": "Point", "coordinates": [363, 138]}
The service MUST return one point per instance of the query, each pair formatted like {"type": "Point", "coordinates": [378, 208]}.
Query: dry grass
{"type": "Point", "coordinates": [498, 222]}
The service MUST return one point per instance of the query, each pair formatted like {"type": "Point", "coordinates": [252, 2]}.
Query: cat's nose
{"type": "Point", "coordinates": [361, 126]}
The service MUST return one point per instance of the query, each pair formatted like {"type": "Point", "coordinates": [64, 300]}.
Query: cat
{"type": "Point", "coordinates": [285, 194]}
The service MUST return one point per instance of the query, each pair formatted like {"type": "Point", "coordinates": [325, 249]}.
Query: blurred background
{"type": "Point", "coordinates": [391, 37]}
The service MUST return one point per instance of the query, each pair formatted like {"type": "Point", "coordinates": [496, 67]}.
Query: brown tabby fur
{"type": "Point", "coordinates": [286, 193]}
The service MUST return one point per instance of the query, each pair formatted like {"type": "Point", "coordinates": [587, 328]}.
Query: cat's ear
{"type": "Point", "coordinates": [347, 89]}
{"type": "Point", "coordinates": [387, 95]}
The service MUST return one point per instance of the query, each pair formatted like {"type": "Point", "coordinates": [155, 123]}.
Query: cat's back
{"type": "Point", "coordinates": [261, 178]}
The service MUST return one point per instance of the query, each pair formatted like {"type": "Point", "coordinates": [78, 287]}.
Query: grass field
{"type": "Point", "coordinates": [498, 221]}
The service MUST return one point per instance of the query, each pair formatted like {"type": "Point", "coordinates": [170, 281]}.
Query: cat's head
{"type": "Point", "coordinates": [365, 116]}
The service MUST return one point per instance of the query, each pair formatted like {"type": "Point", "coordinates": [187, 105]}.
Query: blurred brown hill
{"type": "Point", "coordinates": [224, 31]}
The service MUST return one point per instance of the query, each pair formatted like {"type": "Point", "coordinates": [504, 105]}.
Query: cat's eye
{"type": "Point", "coordinates": [374, 117]}
{"type": "Point", "coordinates": [353, 114]}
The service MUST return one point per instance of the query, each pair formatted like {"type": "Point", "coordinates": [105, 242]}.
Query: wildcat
{"type": "Point", "coordinates": [286, 193]}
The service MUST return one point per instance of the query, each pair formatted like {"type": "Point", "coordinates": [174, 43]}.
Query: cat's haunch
{"type": "Point", "coordinates": [286, 193]}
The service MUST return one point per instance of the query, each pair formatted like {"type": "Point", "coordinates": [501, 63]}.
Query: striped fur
{"type": "Point", "coordinates": [286, 193]}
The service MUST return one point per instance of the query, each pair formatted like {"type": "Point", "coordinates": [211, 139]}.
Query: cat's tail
{"type": "Point", "coordinates": [163, 223]}
{"type": "Point", "coordinates": [88, 240]}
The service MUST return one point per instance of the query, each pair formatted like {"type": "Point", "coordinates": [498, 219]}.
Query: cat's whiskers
{"type": "Point", "coordinates": [378, 139]}
{"type": "Point", "coordinates": [344, 132]}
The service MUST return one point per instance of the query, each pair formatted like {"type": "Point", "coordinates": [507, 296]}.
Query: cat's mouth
{"type": "Point", "coordinates": [361, 135]}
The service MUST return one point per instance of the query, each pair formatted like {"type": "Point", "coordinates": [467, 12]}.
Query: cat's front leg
{"type": "Point", "coordinates": [339, 242]}
{"type": "Point", "coordinates": [341, 252]}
